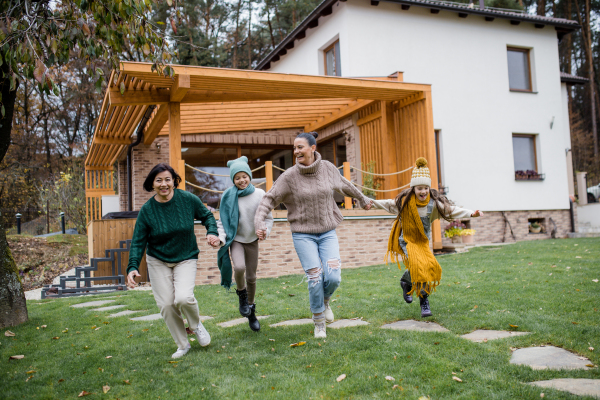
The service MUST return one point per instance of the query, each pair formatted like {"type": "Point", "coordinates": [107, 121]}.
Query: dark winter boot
{"type": "Point", "coordinates": [244, 307]}
{"type": "Point", "coordinates": [406, 287]}
{"type": "Point", "coordinates": [252, 320]}
{"type": "Point", "coordinates": [425, 310]}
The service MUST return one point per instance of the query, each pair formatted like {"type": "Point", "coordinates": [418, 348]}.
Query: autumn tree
{"type": "Point", "coordinates": [38, 34]}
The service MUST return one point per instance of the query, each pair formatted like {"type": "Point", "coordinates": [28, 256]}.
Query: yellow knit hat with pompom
{"type": "Point", "coordinates": [420, 174]}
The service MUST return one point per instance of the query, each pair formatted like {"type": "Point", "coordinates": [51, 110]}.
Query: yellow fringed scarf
{"type": "Point", "coordinates": [425, 271]}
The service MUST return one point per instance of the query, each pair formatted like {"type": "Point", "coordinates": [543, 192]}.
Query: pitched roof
{"type": "Point", "coordinates": [562, 26]}
{"type": "Point", "coordinates": [573, 79]}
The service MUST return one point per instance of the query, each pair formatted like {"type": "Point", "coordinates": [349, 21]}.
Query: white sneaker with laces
{"type": "Point", "coordinates": [182, 352]}
{"type": "Point", "coordinates": [320, 328]}
{"type": "Point", "coordinates": [202, 335]}
{"type": "Point", "coordinates": [328, 313]}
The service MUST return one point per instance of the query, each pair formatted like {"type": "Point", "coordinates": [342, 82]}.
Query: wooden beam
{"type": "Point", "coordinates": [175, 136]}
{"type": "Point", "coordinates": [158, 121]}
{"type": "Point", "coordinates": [180, 88]}
{"type": "Point", "coordinates": [350, 109]}
{"type": "Point", "coordinates": [368, 118]}
{"type": "Point", "coordinates": [111, 141]}
{"type": "Point", "coordinates": [412, 99]}
{"type": "Point", "coordinates": [137, 97]}
{"type": "Point", "coordinates": [90, 168]}
{"type": "Point", "coordinates": [388, 145]}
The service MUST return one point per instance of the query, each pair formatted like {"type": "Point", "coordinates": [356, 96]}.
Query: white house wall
{"type": "Point", "coordinates": [465, 60]}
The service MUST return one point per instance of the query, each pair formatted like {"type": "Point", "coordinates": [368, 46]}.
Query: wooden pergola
{"type": "Point", "coordinates": [396, 121]}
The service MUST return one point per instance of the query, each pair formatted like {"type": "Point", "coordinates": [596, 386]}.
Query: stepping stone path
{"type": "Point", "coordinates": [580, 387]}
{"type": "Point", "coordinates": [548, 357]}
{"type": "Point", "coordinates": [125, 312]}
{"type": "Point", "coordinates": [412, 325]}
{"type": "Point", "coordinates": [154, 317]}
{"type": "Point", "coordinates": [108, 308]}
{"type": "Point", "coordinates": [239, 321]}
{"type": "Point", "coordinates": [96, 303]}
{"type": "Point", "coordinates": [482, 335]}
{"type": "Point", "coordinates": [304, 321]}
{"type": "Point", "coordinates": [347, 323]}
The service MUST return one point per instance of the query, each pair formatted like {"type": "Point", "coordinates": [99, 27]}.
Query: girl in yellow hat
{"type": "Point", "coordinates": [417, 207]}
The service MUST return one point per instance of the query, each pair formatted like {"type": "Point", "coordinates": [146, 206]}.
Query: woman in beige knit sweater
{"type": "Point", "coordinates": [306, 190]}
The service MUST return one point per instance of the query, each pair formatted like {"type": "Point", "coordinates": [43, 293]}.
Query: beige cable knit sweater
{"type": "Point", "coordinates": [307, 193]}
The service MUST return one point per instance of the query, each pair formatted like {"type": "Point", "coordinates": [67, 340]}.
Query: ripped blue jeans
{"type": "Point", "coordinates": [319, 254]}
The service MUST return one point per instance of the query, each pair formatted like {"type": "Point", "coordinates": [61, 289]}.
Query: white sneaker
{"type": "Point", "coordinates": [182, 352]}
{"type": "Point", "coordinates": [320, 329]}
{"type": "Point", "coordinates": [202, 335]}
{"type": "Point", "coordinates": [328, 313]}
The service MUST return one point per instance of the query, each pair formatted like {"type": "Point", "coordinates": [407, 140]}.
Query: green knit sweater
{"type": "Point", "coordinates": [166, 230]}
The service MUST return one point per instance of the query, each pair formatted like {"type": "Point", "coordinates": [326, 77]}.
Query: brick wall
{"type": "Point", "coordinates": [144, 158]}
{"type": "Point", "coordinates": [362, 242]}
{"type": "Point", "coordinates": [491, 228]}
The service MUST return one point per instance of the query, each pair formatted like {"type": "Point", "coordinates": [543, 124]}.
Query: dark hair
{"type": "Point", "coordinates": [311, 137]}
{"type": "Point", "coordinates": [442, 203]}
{"type": "Point", "coordinates": [158, 168]}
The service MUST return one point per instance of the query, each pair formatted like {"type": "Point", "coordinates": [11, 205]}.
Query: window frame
{"type": "Point", "coordinates": [329, 140]}
{"type": "Point", "coordinates": [531, 136]}
{"type": "Point", "coordinates": [528, 52]}
{"type": "Point", "coordinates": [336, 57]}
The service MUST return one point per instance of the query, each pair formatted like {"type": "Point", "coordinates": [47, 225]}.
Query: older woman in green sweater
{"type": "Point", "coordinates": [165, 229]}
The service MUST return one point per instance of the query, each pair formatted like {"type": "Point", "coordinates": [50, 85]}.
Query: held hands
{"type": "Point", "coordinates": [477, 213]}
{"type": "Point", "coordinates": [262, 234]}
{"type": "Point", "coordinates": [131, 283]}
{"type": "Point", "coordinates": [368, 206]}
{"type": "Point", "coordinates": [213, 241]}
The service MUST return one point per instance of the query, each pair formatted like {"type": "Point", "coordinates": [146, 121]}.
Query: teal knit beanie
{"type": "Point", "coordinates": [239, 165]}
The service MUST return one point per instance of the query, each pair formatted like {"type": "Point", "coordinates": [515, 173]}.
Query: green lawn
{"type": "Point", "coordinates": [544, 287]}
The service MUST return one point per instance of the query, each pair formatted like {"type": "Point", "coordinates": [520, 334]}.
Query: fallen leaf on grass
{"type": "Point", "coordinates": [389, 378]}
{"type": "Point", "coordinates": [291, 295]}
{"type": "Point", "coordinates": [397, 387]}
{"type": "Point", "coordinates": [590, 365]}
{"type": "Point", "coordinates": [61, 380]}
{"type": "Point", "coordinates": [94, 327]}
{"type": "Point", "coordinates": [457, 379]}
{"type": "Point", "coordinates": [31, 372]}
{"type": "Point", "coordinates": [297, 344]}
{"type": "Point", "coordinates": [108, 356]}
{"type": "Point", "coordinates": [595, 280]}
{"type": "Point", "coordinates": [513, 326]}
{"type": "Point", "coordinates": [272, 340]}
{"type": "Point", "coordinates": [577, 256]}
{"type": "Point", "coordinates": [590, 348]}
{"type": "Point", "coordinates": [83, 393]}
{"type": "Point", "coordinates": [9, 334]}
{"type": "Point", "coordinates": [66, 330]}
{"type": "Point", "coordinates": [105, 389]}
{"type": "Point", "coordinates": [173, 362]}
{"type": "Point", "coordinates": [575, 323]}
{"type": "Point", "coordinates": [481, 272]}
{"type": "Point", "coordinates": [28, 378]}
{"type": "Point", "coordinates": [127, 382]}
{"type": "Point", "coordinates": [56, 337]}
{"type": "Point", "coordinates": [262, 376]}
{"type": "Point", "coordinates": [44, 326]}
{"type": "Point", "coordinates": [341, 377]}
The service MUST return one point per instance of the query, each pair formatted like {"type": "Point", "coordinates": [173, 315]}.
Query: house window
{"type": "Point", "coordinates": [332, 60]}
{"type": "Point", "coordinates": [519, 69]}
{"type": "Point", "coordinates": [334, 151]}
{"type": "Point", "coordinates": [525, 158]}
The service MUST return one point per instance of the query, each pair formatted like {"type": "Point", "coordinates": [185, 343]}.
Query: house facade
{"type": "Point", "coordinates": [500, 106]}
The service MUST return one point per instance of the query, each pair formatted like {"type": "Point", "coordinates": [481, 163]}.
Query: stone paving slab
{"type": "Point", "coordinates": [240, 321]}
{"type": "Point", "coordinates": [347, 323]}
{"type": "Point", "coordinates": [412, 325]}
{"type": "Point", "coordinates": [304, 321]}
{"type": "Point", "coordinates": [548, 357]}
{"type": "Point", "coordinates": [124, 312]}
{"type": "Point", "coordinates": [108, 308]}
{"type": "Point", "coordinates": [580, 387]}
{"type": "Point", "coordinates": [153, 317]}
{"type": "Point", "coordinates": [481, 335]}
{"type": "Point", "coordinates": [93, 303]}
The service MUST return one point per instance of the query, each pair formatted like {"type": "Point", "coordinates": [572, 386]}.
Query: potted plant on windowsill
{"type": "Point", "coordinates": [534, 227]}
{"type": "Point", "coordinates": [467, 235]}
{"type": "Point", "coordinates": [453, 231]}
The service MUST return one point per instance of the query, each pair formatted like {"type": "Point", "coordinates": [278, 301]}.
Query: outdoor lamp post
{"type": "Point", "coordinates": [19, 223]}
{"type": "Point", "coordinates": [62, 222]}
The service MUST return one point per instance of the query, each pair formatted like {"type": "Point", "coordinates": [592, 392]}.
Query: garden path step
{"type": "Point", "coordinates": [240, 321]}
{"type": "Point", "coordinates": [153, 317]}
{"type": "Point", "coordinates": [304, 321]}
{"type": "Point", "coordinates": [548, 357]}
{"type": "Point", "coordinates": [93, 303]}
{"type": "Point", "coordinates": [412, 325]}
{"type": "Point", "coordinates": [580, 387]}
{"type": "Point", "coordinates": [347, 323]}
{"type": "Point", "coordinates": [482, 335]}
{"type": "Point", "coordinates": [124, 312]}
{"type": "Point", "coordinates": [108, 308]}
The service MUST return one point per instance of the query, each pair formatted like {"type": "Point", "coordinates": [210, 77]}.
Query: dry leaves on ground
{"type": "Point", "coordinates": [9, 334]}
{"type": "Point", "coordinates": [105, 389]}
{"type": "Point", "coordinates": [341, 377]}
{"type": "Point", "coordinates": [84, 393]}
{"type": "Point", "coordinates": [16, 357]}
{"type": "Point", "coordinates": [457, 379]}
{"type": "Point", "coordinates": [297, 344]}
{"type": "Point", "coordinates": [389, 378]}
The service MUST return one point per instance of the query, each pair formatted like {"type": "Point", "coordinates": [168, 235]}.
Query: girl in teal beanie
{"type": "Point", "coordinates": [238, 237]}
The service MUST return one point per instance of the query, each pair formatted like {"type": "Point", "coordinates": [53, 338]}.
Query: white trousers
{"type": "Point", "coordinates": [173, 288]}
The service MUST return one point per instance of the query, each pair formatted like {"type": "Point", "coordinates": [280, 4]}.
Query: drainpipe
{"type": "Point", "coordinates": [138, 140]}
{"type": "Point", "coordinates": [572, 215]}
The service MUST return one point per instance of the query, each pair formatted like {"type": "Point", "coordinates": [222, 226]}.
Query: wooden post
{"type": "Point", "coordinates": [269, 174]}
{"type": "Point", "coordinates": [436, 234]}
{"type": "Point", "coordinates": [388, 145]}
{"type": "Point", "coordinates": [175, 137]}
{"type": "Point", "coordinates": [181, 172]}
{"type": "Point", "coordinates": [347, 200]}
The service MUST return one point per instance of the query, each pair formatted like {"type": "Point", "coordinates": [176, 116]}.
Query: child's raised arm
{"type": "Point", "coordinates": [387, 205]}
